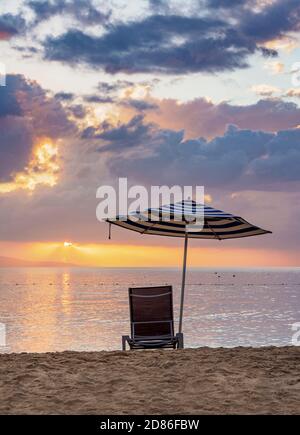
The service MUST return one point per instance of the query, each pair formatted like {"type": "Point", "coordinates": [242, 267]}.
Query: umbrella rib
{"type": "Point", "coordinates": [149, 228]}
{"type": "Point", "coordinates": [216, 235]}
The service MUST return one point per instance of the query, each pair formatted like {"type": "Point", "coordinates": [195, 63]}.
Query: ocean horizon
{"type": "Point", "coordinates": [86, 309]}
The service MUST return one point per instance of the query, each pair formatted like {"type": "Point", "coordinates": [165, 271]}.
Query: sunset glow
{"type": "Point", "coordinates": [162, 95]}
{"type": "Point", "coordinates": [42, 169]}
{"type": "Point", "coordinates": [116, 255]}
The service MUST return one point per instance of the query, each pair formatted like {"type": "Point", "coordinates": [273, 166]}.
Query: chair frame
{"type": "Point", "coordinates": [173, 341]}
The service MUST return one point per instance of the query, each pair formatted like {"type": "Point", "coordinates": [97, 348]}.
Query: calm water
{"type": "Point", "coordinates": [87, 309]}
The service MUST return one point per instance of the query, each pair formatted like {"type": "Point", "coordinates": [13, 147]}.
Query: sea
{"type": "Point", "coordinates": [86, 309]}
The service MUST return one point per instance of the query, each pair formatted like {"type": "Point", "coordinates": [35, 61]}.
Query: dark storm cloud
{"type": "Point", "coordinates": [64, 96]}
{"type": "Point", "coordinates": [77, 110]}
{"type": "Point", "coordinates": [149, 45]}
{"type": "Point", "coordinates": [130, 135]}
{"type": "Point", "coordinates": [16, 138]}
{"type": "Point", "coordinates": [81, 10]}
{"type": "Point", "coordinates": [240, 159]}
{"type": "Point", "coordinates": [273, 21]}
{"type": "Point", "coordinates": [112, 87]}
{"type": "Point", "coordinates": [270, 22]}
{"type": "Point", "coordinates": [282, 161]}
{"type": "Point", "coordinates": [26, 114]}
{"type": "Point", "coordinates": [98, 99]}
{"type": "Point", "coordinates": [16, 143]}
{"type": "Point", "coordinates": [176, 44]}
{"type": "Point", "coordinates": [159, 5]}
{"type": "Point", "coordinates": [26, 52]}
{"type": "Point", "coordinates": [139, 105]}
{"type": "Point", "coordinates": [11, 25]}
{"type": "Point", "coordinates": [9, 104]}
{"type": "Point", "coordinates": [227, 4]}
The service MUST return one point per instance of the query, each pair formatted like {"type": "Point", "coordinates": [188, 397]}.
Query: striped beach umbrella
{"type": "Point", "coordinates": [189, 220]}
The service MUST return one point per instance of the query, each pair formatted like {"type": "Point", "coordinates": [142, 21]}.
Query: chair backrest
{"type": "Point", "coordinates": [151, 312]}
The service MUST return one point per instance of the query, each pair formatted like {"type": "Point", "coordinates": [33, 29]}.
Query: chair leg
{"type": "Point", "coordinates": [180, 344]}
{"type": "Point", "coordinates": [124, 339]}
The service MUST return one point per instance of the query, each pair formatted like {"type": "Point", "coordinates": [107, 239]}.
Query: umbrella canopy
{"type": "Point", "coordinates": [174, 220]}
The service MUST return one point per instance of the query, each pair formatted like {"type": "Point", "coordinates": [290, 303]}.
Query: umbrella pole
{"type": "Point", "coordinates": [183, 281]}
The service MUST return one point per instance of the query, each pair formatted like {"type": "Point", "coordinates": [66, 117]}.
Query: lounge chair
{"type": "Point", "coordinates": [151, 319]}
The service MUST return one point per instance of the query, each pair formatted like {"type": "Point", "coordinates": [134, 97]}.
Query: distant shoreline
{"type": "Point", "coordinates": [8, 262]}
{"type": "Point", "coordinates": [20, 264]}
{"type": "Point", "coordinates": [41, 266]}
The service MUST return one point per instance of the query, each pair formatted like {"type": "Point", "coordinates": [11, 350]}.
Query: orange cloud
{"type": "Point", "coordinates": [43, 169]}
{"type": "Point", "coordinates": [4, 36]}
{"type": "Point", "coordinates": [285, 43]}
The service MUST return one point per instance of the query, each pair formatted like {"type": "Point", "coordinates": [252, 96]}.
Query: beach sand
{"type": "Point", "coordinates": [190, 381]}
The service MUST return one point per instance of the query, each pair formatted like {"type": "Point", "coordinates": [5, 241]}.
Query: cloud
{"type": "Point", "coordinates": [139, 105]}
{"type": "Point", "coordinates": [281, 163]}
{"type": "Point", "coordinates": [78, 111]}
{"type": "Point", "coordinates": [293, 93]}
{"type": "Point", "coordinates": [161, 44]}
{"type": "Point", "coordinates": [16, 144]}
{"type": "Point", "coordinates": [27, 113]}
{"type": "Point", "coordinates": [16, 136]}
{"type": "Point", "coordinates": [273, 21]}
{"type": "Point", "coordinates": [275, 67]}
{"type": "Point", "coordinates": [161, 6]}
{"type": "Point", "coordinates": [235, 161]}
{"type": "Point", "coordinates": [98, 99]}
{"type": "Point", "coordinates": [178, 44]}
{"type": "Point", "coordinates": [264, 90]}
{"type": "Point", "coordinates": [226, 4]}
{"type": "Point", "coordinates": [11, 25]}
{"type": "Point", "coordinates": [81, 10]}
{"type": "Point", "coordinates": [113, 87]}
{"type": "Point", "coordinates": [128, 92]}
{"type": "Point", "coordinates": [64, 96]}
{"type": "Point", "coordinates": [239, 159]}
{"type": "Point", "coordinates": [284, 43]}
{"type": "Point", "coordinates": [9, 105]}
{"type": "Point", "coordinates": [201, 117]}
{"type": "Point", "coordinates": [132, 134]}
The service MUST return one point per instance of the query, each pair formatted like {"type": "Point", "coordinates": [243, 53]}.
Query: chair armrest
{"type": "Point", "coordinates": [125, 338]}
{"type": "Point", "coordinates": [179, 337]}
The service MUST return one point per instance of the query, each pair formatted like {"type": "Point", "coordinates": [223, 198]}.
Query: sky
{"type": "Point", "coordinates": [204, 92]}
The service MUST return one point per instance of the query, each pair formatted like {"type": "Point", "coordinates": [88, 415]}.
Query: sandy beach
{"type": "Point", "coordinates": [199, 381]}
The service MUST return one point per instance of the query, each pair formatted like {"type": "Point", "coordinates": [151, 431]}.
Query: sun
{"type": "Point", "coordinates": [67, 244]}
